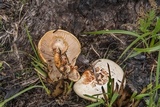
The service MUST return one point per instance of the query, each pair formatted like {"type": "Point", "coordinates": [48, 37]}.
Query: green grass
{"type": "Point", "coordinates": [109, 97]}
{"type": "Point", "coordinates": [18, 94]}
{"type": "Point", "coordinates": [1, 65]}
{"type": "Point", "coordinates": [112, 96]}
{"type": "Point", "coordinates": [147, 41]}
{"type": "Point", "coordinates": [38, 65]}
{"type": "Point", "coordinates": [154, 96]}
{"type": "Point", "coordinates": [147, 35]}
{"type": "Point", "coordinates": [119, 97]}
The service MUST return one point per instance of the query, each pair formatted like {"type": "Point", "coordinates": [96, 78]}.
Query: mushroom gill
{"type": "Point", "coordinates": [60, 49]}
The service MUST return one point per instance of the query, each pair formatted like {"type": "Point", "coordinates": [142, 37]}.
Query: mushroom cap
{"type": "Point", "coordinates": [53, 72]}
{"type": "Point", "coordinates": [91, 82]}
{"type": "Point", "coordinates": [62, 39]}
{"type": "Point", "coordinates": [74, 75]}
{"type": "Point", "coordinates": [116, 71]}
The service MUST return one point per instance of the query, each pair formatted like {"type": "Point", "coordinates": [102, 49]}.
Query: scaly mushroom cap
{"type": "Point", "coordinates": [116, 71]}
{"type": "Point", "coordinates": [64, 40]}
{"type": "Point", "coordinates": [91, 82]}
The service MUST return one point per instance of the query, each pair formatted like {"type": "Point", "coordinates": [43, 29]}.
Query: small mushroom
{"type": "Point", "coordinates": [74, 74]}
{"type": "Point", "coordinates": [59, 49]}
{"type": "Point", "coordinates": [92, 80]}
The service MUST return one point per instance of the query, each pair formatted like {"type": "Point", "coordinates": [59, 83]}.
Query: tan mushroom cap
{"type": "Point", "coordinates": [62, 39]}
{"type": "Point", "coordinates": [74, 75]}
{"type": "Point", "coordinates": [91, 82]}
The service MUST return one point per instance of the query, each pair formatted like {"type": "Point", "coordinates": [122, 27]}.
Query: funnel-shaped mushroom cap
{"type": "Point", "coordinates": [91, 82]}
{"type": "Point", "coordinates": [61, 39]}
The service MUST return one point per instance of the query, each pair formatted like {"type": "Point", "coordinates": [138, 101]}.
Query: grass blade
{"type": "Point", "coordinates": [152, 49]}
{"type": "Point", "coordinates": [92, 96]}
{"type": "Point", "coordinates": [96, 104]}
{"type": "Point", "coordinates": [140, 96]}
{"type": "Point", "coordinates": [133, 43]}
{"type": "Point", "coordinates": [114, 97]}
{"type": "Point", "coordinates": [33, 47]}
{"type": "Point", "coordinates": [157, 27]}
{"type": "Point", "coordinates": [46, 89]}
{"type": "Point", "coordinates": [157, 76]}
{"type": "Point", "coordinates": [134, 54]}
{"type": "Point", "coordinates": [114, 31]}
{"type": "Point", "coordinates": [39, 71]}
{"type": "Point", "coordinates": [158, 69]}
{"type": "Point", "coordinates": [21, 92]}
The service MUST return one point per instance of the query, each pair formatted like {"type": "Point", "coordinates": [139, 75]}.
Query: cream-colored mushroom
{"type": "Point", "coordinates": [62, 39]}
{"type": "Point", "coordinates": [59, 49]}
{"type": "Point", "coordinates": [74, 74]}
{"type": "Point", "coordinates": [91, 81]}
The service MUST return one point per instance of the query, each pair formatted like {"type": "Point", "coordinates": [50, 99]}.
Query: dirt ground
{"type": "Point", "coordinates": [77, 17]}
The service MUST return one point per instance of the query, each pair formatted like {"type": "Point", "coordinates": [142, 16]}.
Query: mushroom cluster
{"type": "Point", "coordinates": [92, 80]}
{"type": "Point", "coordinates": [59, 50]}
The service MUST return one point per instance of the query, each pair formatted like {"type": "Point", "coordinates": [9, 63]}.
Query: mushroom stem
{"type": "Point", "coordinates": [57, 57]}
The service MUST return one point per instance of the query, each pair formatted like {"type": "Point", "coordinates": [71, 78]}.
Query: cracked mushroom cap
{"type": "Point", "coordinates": [62, 39]}
{"type": "Point", "coordinates": [91, 82]}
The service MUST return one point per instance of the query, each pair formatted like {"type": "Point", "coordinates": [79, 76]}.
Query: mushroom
{"type": "Point", "coordinates": [74, 75]}
{"type": "Point", "coordinates": [93, 79]}
{"type": "Point", "coordinates": [62, 39]}
{"type": "Point", "coordinates": [59, 49]}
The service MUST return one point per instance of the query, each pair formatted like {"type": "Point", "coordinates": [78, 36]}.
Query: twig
{"type": "Point", "coordinates": [95, 51]}
{"type": "Point", "coordinates": [117, 38]}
